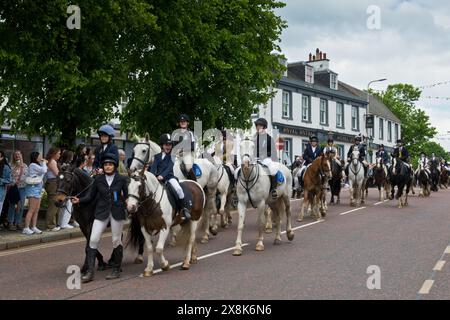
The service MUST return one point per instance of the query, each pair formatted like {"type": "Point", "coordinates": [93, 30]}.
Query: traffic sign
{"type": "Point", "coordinates": [280, 144]}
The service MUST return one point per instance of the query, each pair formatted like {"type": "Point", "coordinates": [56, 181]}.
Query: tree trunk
{"type": "Point", "coordinates": [68, 137]}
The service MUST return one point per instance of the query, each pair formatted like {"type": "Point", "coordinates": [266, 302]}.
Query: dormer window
{"type": "Point", "coordinates": [309, 74]}
{"type": "Point", "coordinates": [333, 81]}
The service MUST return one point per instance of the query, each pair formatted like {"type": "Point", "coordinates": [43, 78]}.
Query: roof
{"type": "Point", "coordinates": [376, 107]}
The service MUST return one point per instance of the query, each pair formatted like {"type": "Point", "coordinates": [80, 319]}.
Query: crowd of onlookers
{"type": "Point", "coordinates": [20, 181]}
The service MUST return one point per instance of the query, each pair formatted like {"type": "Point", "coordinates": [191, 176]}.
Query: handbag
{"type": "Point", "coordinates": [33, 180]}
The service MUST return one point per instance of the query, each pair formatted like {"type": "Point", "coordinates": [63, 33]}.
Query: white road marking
{"type": "Point", "coordinates": [439, 265]}
{"type": "Point", "coordinates": [447, 250]}
{"type": "Point", "coordinates": [305, 225]}
{"type": "Point", "coordinates": [344, 213]}
{"type": "Point", "coordinates": [426, 287]}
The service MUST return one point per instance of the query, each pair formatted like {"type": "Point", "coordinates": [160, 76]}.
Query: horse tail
{"type": "Point", "coordinates": [135, 236]}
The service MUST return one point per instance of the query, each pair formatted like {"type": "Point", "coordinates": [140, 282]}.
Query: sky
{"type": "Point", "coordinates": [407, 42]}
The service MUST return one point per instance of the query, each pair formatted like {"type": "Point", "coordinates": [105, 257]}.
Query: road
{"type": "Point", "coordinates": [410, 247]}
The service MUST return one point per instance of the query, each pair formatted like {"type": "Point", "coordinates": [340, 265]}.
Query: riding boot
{"type": "Point", "coordinates": [118, 256]}
{"type": "Point", "coordinates": [273, 187]}
{"type": "Point", "coordinates": [89, 275]}
{"type": "Point", "coordinates": [186, 206]}
{"type": "Point", "coordinates": [346, 170]}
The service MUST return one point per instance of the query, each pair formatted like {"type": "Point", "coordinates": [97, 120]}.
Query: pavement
{"type": "Point", "coordinates": [406, 251]}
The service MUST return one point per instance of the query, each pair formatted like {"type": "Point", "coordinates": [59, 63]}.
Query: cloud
{"type": "Point", "coordinates": [412, 46]}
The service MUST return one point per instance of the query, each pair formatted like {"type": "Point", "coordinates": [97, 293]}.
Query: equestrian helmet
{"type": "Point", "coordinates": [165, 139]}
{"type": "Point", "coordinates": [109, 158]}
{"type": "Point", "coordinates": [358, 138]}
{"type": "Point", "coordinates": [382, 146]}
{"type": "Point", "coordinates": [330, 140]}
{"type": "Point", "coordinates": [313, 139]}
{"type": "Point", "coordinates": [399, 141]}
{"type": "Point", "coordinates": [184, 117]}
{"type": "Point", "coordinates": [107, 130]}
{"type": "Point", "coordinates": [261, 122]}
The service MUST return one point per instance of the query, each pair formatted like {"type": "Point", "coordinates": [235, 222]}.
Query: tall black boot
{"type": "Point", "coordinates": [89, 275]}
{"type": "Point", "coordinates": [186, 206]}
{"type": "Point", "coordinates": [118, 256]}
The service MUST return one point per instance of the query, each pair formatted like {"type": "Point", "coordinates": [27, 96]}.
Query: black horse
{"type": "Point", "coordinates": [400, 175]}
{"type": "Point", "coordinates": [336, 180]}
{"type": "Point", "coordinates": [435, 175]}
{"type": "Point", "coordinates": [75, 182]}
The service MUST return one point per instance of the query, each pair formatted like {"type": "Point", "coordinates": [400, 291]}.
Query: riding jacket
{"type": "Point", "coordinates": [163, 166]}
{"type": "Point", "coordinates": [383, 155]}
{"type": "Point", "coordinates": [102, 150]}
{"type": "Point", "coordinates": [401, 153]}
{"type": "Point", "coordinates": [309, 155]}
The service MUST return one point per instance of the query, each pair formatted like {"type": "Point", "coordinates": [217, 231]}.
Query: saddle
{"type": "Point", "coordinates": [173, 197]}
{"type": "Point", "coordinates": [194, 174]}
{"type": "Point", "coordinates": [279, 175]}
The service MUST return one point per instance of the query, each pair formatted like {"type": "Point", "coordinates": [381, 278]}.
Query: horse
{"type": "Point", "coordinates": [73, 182]}
{"type": "Point", "coordinates": [253, 186]}
{"type": "Point", "coordinates": [380, 173]}
{"type": "Point", "coordinates": [316, 176]}
{"type": "Point", "coordinates": [336, 180]}
{"type": "Point", "coordinates": [400, 176]}
{"type": "Point", "coordinates": [148, 203]}
{"type": "Point", "coordinates": [435, 175]}
{"type": "Point", "coordinates": [145, 151]}
{"type": "Point", "coordinates": [423, 179]}
{"type": "Point", "coordinates": [443, 181]}
{"type": "Point", "coordinates": [296, 175]}
{"type": "Point", "coordinates": [356, 179]}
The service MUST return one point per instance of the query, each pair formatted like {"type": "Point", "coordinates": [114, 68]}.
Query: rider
{"type": "Point", "coordinates": [401, 152]}
{"type": "Point", "coordinates": [184, 139]}
{"type": "Point", "coordinates": [312, 150]}
{"type": "Point", "coordinates": [106, 134]}
{"type": "Point", "coordinates": [108, 192]}
{"type": "Point", "coordinates": [162, 168]}
{"type": "Point", "coordinates": [266, 152]}
{"type": "Point", "coordinates": [382, 154]}
{"type": "Point", "coordinates": [331, 150]}
{"type": "Point", "coordinates": [362, 154]}
{"type": "Point", "coordinates": [424, 160]}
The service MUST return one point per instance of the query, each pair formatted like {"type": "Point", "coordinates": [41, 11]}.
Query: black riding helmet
{"type": "Point", "coordinates": [313, 139]}
{"type": "Point", "coordinates": [261, 122]}
{"type": "Point", "coordinates": [330, 140]}
{"type": "Point", "coordinates": [110, 158]}
{"type": "Point", "coordinates": [165, 139]}
{"type": "Point", "coordinates": [184, 117]}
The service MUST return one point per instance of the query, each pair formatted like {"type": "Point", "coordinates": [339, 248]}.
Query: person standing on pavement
{"type": "Point", "coordinates": [19, 173]}
{"type": "Point", "coordinates": [108, 192]}
{"type": "Point", "coordinates": [122, 169]}
{"type": "Point", "coordinates": [5, 178]}
{"type": "Point", "coordinates": [52, 157]}
{"type": "Point", "coordinates": [33, 191]}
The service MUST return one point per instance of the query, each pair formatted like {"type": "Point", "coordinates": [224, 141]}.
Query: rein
{"type": "Point", "coordinates": [152, 195]}
{"type": "Point", "coordinates": [146, 160]}
{"type": "Point", "coordinates": [255, 179]}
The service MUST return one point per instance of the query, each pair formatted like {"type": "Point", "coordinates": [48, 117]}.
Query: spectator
{"type": "Point", "coordinates": [5, 177]}
{"type": "Point", "coordinates": [19, 173]}
{"type": "Point", "coordinates": [89, 167]}
{"type": "Point", "coordinates": [122, 169]}
{"type": "Point", "coordinates": [81, 150]}
{"type": "Point", "coordinates": [66, 159]}
{"type": "Point", "coordinates": [52, 158]}
{"type": "Point", "coordinates": [33, 191]}
{"type": "Point", "coordinates": [65, 213]}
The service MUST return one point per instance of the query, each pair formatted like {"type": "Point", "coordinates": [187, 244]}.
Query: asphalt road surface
{"type": "Point", "coordinates": [398, 253]}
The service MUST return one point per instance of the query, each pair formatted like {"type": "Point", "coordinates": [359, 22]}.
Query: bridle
{"type": "Point", "coordinates": [146, 160]}
{"type": "Point", "coordinates": [322, 173]}
{"type": "Point", "coordinates": [249, 182]}
{"type": "Point", "coordinates": [143, 188]}
{"type": "Point", "coordinates": [72, 183]}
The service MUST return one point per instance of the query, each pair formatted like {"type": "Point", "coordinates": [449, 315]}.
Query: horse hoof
{"type": "Point", "coordinates": [213, 232]}
{"type": "Point", "coordinates": [268, 230]}
{"type": "Point", "coordinates": [193, 260]}
{"type": "Point", "coordinates": [259, 247]}
{"type": "Point", "coordinates": [277, 242]}
{"type": "Point", "coordinates": [147, 274]}
{"type": "Point", "coordinates": [185, 266]}
{"type": "Point", "coordinates": [237, 252]}
{"type": "Point", "coordinates": [299, 219]}
{"type": "Point", "coordinates": [324, 214]}
{"type": "Point", "coordinates": [138, 260]}
{"type": "Point", "coordinates": [290, 235]}
{"type": "Point", "coordinates": [166, 267]}
{"type": "Point", "coordinates": [204, 240]}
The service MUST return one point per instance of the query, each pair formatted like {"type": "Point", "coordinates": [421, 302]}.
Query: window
{"type": "Point", "coordinates": [309, 74]}
{"type": "Point", "coordinates": [286, 108]}
{"type": "Point", "coordinates": [333, 81]}
{"type": "Point", "coordinates": [306, 108]}
{"type": "Point", "coordinates": [340, 150]}
{"type": "Point", "coordinates": [381, 129]}
{"type": "Point", "coordinates": [324, 111]}
{"type": "Point", "coordinates": [304, 144]}
{"type": "Point", "coordinates": [396, 132]}
{"type": "Point", "coordinates": [287, 152]}
{"type": "Point", "coordinates": [389, 137]}
{"type": "Point", "coordinates": [355, 118]}
{"type": "Point", "coordinates": [339, 115]}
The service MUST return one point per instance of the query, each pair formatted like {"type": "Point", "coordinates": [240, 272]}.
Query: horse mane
{"type": "Point", "coordinates": [82, 177]}
{"type": "Point", "coordinates": [150, 212]}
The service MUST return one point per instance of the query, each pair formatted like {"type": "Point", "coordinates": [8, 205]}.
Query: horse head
{"type": "Point", "coordinates": [325, 166]}
{"type": "Point", "coordinates": [136, 191]}
{"type": "Point", "coordinates": [355, 156]}
{"type": "Point", "coordinates": [143, 153]}
{"type": "Point", "coordinates": [379, 162]}
{"type": "Point", "coordinates": [65, 183]}
{"type": "Point", "coordinates": [247, 149]}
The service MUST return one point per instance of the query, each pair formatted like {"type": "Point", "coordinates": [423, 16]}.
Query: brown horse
{"type": "Point", "coordinates": [380, 179]}
{"type": "Point", "coordinates": [316, 176]}
{"type": "Point", "coordinates": [443, 181]}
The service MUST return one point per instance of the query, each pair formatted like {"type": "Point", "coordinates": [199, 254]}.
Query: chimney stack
{"type": "Point", "coordinates": [320, 55]}
{"type": "Point", "coordinates": [310, 57]}
{"type": "Point", "coordinates": [324, 56]}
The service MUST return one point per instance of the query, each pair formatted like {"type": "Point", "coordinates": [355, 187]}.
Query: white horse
{"type": "Point", "coordinates": [253, 187]}
{"type": "Point", "coordinates": [145, 151]}
{"type": "Point", "coordinates": [146, 191]}
{"type": "Point", "coordinates": [356, 179]}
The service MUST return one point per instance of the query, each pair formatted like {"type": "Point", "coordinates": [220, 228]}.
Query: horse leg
{"type": "Point", "coordinates": [315, 207]}
{"type": "Point", "coordinates": [276, 217]}
{"type": "Point", "coordinates": [140, 257]}
{"type": "Point", "coordinates": [242, 208]}
{"type": "Point", "coordinates": [352, 198]}
{"type": "Point", "coordinates": [189, 245]}
{"type": "Point", "coordinates": [399, 196]}
{"type": "Point", "coordinates": [287, 207]}
{"type": "Point", "coordinates": [148, 272]}
{"type": "Point", "coordinates": [209, 210]}
{"type": "Point", "coordinates": [165, 265]}
{"type": "Point", "coordinates": [268, 213]}
{"type": "Point", "coordinates": [222, 213]}
{"type": "Point", "coordinates": [260, 211]}
{"type": "Point", "coordinates": [304, 205]}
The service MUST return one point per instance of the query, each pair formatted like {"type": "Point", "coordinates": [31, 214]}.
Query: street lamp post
{"type": "Point", "coordinates": [370, 136]}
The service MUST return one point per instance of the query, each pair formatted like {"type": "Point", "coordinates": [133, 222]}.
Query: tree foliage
{"type": "Point", "coordinates": [416, 129]}
{"type": "Point", "coordinates": [212, 59]}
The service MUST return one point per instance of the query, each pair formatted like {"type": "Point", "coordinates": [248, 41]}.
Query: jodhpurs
{"type": "Point", "coordinates": [176, 185]}
{"type": "Point", "coordinates": [99, 227]}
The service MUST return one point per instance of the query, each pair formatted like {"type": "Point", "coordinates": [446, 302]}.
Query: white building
{"type": "Point", "coordinates": [310, 100]}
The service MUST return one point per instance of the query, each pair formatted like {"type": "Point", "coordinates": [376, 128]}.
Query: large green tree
{"type": "Point", "coordinates": [416, 129]}
{"type": "Point", "coordinates": [430, 147]}
{"type": "Point", "coordinates": [63, 82]}
{"type": "Point", "coordinates": [211, 59]}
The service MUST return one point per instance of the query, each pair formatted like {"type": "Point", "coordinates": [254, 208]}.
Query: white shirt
{"type": "Point", "coordinates": [109, 179]}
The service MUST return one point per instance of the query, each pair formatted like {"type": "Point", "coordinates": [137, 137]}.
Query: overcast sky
{"type": "Point", "coordinates": [411, 46]}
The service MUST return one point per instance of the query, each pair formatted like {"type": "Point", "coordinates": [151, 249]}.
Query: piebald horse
{"type": "Point", "coordinates": [423, 179]}
{"type": "Point", "coordinates": [380, 179]}
{"type": "Point", "coordinates": [316, 176]}
{"type": "Point", "coordinates": [356, 179]}
{"type": "Point", "coordinates": [253, 186]}
{"type": "Point", "coordinates": [149, 205]}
